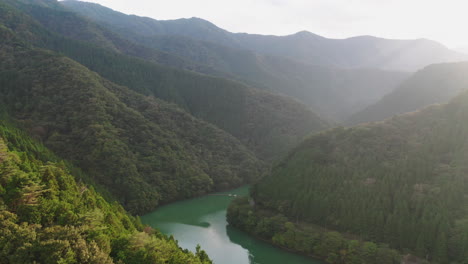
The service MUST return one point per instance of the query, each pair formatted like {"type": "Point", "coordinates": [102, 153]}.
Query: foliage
{"type": "Point", "coordinates": [311, 240]}
{"type": "Point", "coordinates": [46, 216]}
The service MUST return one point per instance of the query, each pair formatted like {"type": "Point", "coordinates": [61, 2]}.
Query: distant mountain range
{"type": "Point", "coordinates": [304, 46]}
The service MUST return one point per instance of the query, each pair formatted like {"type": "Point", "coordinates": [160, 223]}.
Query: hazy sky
{"type": "Point", "coordinates": [443, 20]}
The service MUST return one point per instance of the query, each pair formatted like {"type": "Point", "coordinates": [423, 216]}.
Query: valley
{"type": "Point", "coordinates": [128, 139]}
{"type": "Point", "coordinates": [203, 221]}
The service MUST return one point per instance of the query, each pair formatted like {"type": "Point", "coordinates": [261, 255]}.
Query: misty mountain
{"type": "Point", "coordinates": [332, 92]}
{"type": "Point", "coordinates": [306, 47]}
{"type": "Point", "coordinates": [436, 83]}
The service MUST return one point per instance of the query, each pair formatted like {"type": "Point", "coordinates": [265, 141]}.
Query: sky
{"type": "Point", "coordinates": [445, 21]}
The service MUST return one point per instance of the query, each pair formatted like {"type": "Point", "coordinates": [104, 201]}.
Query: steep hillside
{"type": "Point", "coordinates": [144, 150]}
{"type": "Point", "coordinates": [48, 216]}
{"type": "Point", "coordinates": [268, 124]}
{"type": "Point", "coordinates": [401, 182]}
{"type": "Point", "coordinates": [332, 92]}
{"type": "Point", "coordinates": [434, 84]}
{"type": "Point", "coordinates": [306, 47]}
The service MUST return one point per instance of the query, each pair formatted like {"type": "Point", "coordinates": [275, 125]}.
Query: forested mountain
{"type": "Point", "coordinates": [54, 17]}
{"type": "Point", "coordinates": [332, 92]}
{"type": "Point", "coordinates": [357, 52]}
{"type": "Point", "coordinates": [268, 124]}
{"type": "Point", "coordinates": [49, 216]}
{"type": "Point", "coordinates": [401, 182]}
{"type": "Point", "coordinates": [143, 149]}
{"type": "Point", "coordinates": [436, 83]}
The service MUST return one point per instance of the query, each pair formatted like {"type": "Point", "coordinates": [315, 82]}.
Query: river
{"type": "Point", "coordinates": [203, 221]}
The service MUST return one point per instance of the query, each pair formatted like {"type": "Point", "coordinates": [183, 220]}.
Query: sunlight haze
{"type": "Point", "coordinates": [402, 19]}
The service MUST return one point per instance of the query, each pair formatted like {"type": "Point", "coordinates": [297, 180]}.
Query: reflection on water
{"type": "Point", "coordinates": [203, 221]}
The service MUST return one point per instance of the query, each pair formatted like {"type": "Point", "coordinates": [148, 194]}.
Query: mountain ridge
{"type": "Point", "coordinates": [412, 54]}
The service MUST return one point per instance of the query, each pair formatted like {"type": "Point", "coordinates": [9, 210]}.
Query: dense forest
{"type": "Point", "coordinates": [306, 238]}
{"type": "Point", "coordinates": [145, 150]}
{"type": "Point", "coordinates": [49, 216]}
{"type": "Point", "coordinates": [401, 182]}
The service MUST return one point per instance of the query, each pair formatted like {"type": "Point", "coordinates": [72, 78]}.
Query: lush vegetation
{"type": "Point", "coordinates": [144, 150]}
{"type": "Point", "coordinates": [306, 238]}
{"type": "Point", "coordinates": [434, 84]}
{"type": "Point", "coordinates": [47, 216]}
{"type": "Point", "coordinates": [267, 124]}
{"type": "Point", "coordinates": [367, 194]}
{"type": "Point", "coordinates": [401, 182]}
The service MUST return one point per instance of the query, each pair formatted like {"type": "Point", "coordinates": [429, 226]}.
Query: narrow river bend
{"type": "Point", "coordinates": [203, 221]}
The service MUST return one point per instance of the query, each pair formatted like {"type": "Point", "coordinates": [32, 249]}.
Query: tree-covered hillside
{"type": "Point", "coordinates": [144, 150]}
{"type": "Point", "coordinates": [437, 83]}
{"type": "Point", "coordinates": [48, 216]}
{"type": "Point", "coordinates": [53, 16]}
{"type": "Point", "coordinates": [402, 182]}
{"type": "Point", "coordinates": [268, 124]}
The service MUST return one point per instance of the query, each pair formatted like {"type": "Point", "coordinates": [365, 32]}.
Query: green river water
{"type": "Point", "coordinates": [203, 221]}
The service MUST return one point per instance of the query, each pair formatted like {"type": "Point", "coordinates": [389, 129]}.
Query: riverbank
{"type": "Point", "coordinates": [202, 221]}
{"type": "Point", "coordinates": [310, 240]}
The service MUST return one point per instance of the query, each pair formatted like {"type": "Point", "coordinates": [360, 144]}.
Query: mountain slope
{"type": "Point", "coordinates": [434, 84]}
{"type": "Point", "coordinates": [321, 88]}
{"type": "Point", "coordinates": [306, 47]}
{"type": "Point", "coordinates": [144, 150]}
{"type": "Point", "coordinates": [47, 216]}
{"type": "Point", "coordinates": [268, 124]}
{"type": "Point", "coordinates": [401, 182]}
